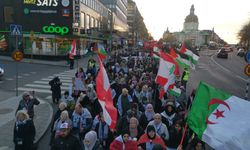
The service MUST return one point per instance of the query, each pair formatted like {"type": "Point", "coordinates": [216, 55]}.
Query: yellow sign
{"type": "Point", "coordinates": [17, 55]}
{"type": "Point", "coordinates": [29, 1]}
{"type": "Point", "coordinates": [247, 70]}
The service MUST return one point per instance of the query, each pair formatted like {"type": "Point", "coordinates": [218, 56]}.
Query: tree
{"type": "Point", "coordinates": [244, 35]}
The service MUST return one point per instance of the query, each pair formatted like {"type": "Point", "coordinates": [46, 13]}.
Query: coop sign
{"type": "Point", "coordinates": [48, 3]}
{"type": "Point", "coordinates": [56, 29]}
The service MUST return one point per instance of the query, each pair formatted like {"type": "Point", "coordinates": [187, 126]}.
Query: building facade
{"type": "Point", "coordinates": [192, 33]}
{"type": "Point", "coordinates": [49, 26]}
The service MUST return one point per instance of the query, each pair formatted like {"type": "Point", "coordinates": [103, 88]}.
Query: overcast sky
{"type": "Point", "coordinates": [226, 16]}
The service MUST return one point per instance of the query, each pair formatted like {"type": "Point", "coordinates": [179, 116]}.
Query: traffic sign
{"type": "Point", "coordinates": [247, 70]}
{"type": "Point", "coordinates": [17, 55]}
{"type": "Point", "coordinates": [15, 29]}
{"type": "Point", "coordinates": [248, 57]}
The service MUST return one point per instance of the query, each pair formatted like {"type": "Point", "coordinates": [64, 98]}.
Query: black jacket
{"type": "Point", "coordinates": [69, 142]}
{"type": "Point", "coordinates": [24, 134]}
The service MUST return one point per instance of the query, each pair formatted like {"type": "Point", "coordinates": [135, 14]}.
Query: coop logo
{"type": "Point", "coordinates": [56, 29]}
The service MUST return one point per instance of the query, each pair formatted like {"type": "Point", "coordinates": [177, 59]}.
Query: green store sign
{"type": "Point", "coordinates": [56, 30]}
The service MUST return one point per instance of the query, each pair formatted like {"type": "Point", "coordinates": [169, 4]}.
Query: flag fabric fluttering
{"type": "Point", "coordinates": [183, 63]}
{"type": "Point", "coordinates": [101, 52]}
{"type": "Point", "coordinates": [73, 48]}
{"type": "Point", "coordinates": [104, 96]}
{"type": "Point", "coordinates": [193, 57]}
{"type": "Point", "coordinates": [220, 119]}
{"type": "Point", "coordinates": [167, 72]}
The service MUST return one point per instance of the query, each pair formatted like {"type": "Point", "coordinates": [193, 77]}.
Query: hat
{"type": "Point", "coordinates": [64, 126]}
{"type": "Point", "coordinates": [150, 128]}
{"type": "Point", "coordinates": [170, 104]}
{"type": "Point", "coordinates": [26, 94]}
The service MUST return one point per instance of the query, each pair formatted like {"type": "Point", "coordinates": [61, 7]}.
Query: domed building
{"type": "Point", "coordinates": [191, 21]}
{"type": "Point", "coordinates": [192, 33]}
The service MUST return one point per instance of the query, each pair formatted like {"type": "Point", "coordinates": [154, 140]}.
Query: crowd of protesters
{"type": "Point", "coordinates": [144, 121]}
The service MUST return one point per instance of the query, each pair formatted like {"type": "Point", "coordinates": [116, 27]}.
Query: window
{"type": "Point", "coordinates": [82, 20]}
{"type": "Point", "coordinates": [92, 22]}
{"type": "Point", "coordinates": [87, 22]}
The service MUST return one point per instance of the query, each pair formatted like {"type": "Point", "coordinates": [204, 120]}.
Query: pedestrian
{"type": "Point", "coordinates": [55, 87]}
{"type": "Point", "coordinates": [149, 139]}
{"type": "Point", "coordinates": [185, 77]}
{"type": "Point", "coordinates": [24, 131]}
{"type": "Point", "coordinates": [27, 103]}
{"type": "Point", "coordinates": [65, 140]}
{"type": "Point", "coordinates": [64, 117]}
{"type": "Point", "coordinates": [71, 61]}
{"type": "Point", "coordinates": [134, 128]}
{"type": "Point", "coordinates": [147, 116]}
{"type": "Point", "coordinates": [91, 142]}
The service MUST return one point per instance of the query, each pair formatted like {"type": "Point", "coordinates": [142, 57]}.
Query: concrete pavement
{"type": "Point", "coordinates": [43, 112]}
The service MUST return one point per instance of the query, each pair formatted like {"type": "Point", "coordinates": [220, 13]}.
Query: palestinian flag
{"type": "Point", "coordinates": [220, 119]}
{"type": "Point", "coordinates": [175, 91]}
{"type": "Point", "coordinates": [101, 52]}
{"type": "Point", "coordinates": [183, 63]}
{"type": "Point", "coordinates": [194, 58]}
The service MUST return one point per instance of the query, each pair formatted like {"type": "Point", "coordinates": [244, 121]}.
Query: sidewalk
{"type": "Point", "coordinates": [43, 112]}
{"type": "Point", "coordinates": [42, 120]}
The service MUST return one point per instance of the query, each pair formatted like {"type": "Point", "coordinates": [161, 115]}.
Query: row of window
{"type": "Point", "coordinates": [88, 22]}
{"type": "Point", "coordinates": [97, 6]}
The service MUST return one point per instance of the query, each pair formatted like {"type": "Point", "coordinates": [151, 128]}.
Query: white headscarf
{"type": "Point", "coordinates": [91, 136]}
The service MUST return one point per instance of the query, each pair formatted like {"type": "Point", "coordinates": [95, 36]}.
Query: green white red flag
{"type": "Point", "coordinates": [220, 119]}
{"type": "Point", "coordinates": [101, 52]}
{"type": "Point", "coordinates": [104, 96]}
{"type": "Point", "coordinates": [73, 48]}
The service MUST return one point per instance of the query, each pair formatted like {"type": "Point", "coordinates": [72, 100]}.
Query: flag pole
{"type": "Point", "coordinates": [183, 134]}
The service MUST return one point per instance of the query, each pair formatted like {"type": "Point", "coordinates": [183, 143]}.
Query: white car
{"type": "Point", "coordinates": [1, 71]}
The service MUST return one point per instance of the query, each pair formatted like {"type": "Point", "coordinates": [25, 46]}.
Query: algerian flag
{"type": "Point", "coordinates": [194, 57]}
{"type": "Point", "coordinates": [220, 119]}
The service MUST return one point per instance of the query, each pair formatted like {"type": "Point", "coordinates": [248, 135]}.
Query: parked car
{"type": "Point", "coordinates": [241, 52]}
{"type": "Point", "coordinates": [222, 53]}
{"type": "Point", "coordinates": [1, 70]}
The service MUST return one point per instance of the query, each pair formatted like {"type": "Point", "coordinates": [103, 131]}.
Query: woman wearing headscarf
{"type": "Point", "coordinates": [124, 102]}
{"type": "Point", "coordinates": [123, 142]}
{"type": "Point", "coordinates": [169, 114]}
{"type": "Point", "coordinates": [149, 139]}
{"type": "Point", "coordinates": [160, 128]}
{"type": "Point", "coordinates": [103, 132]}
{"type": "Point", "coordinates": [135, 129]}
{"type": "Point", "coordinates": [91, 142]}
{"type": "Point", "coordinates": [24, 131]}
{"type": "Point", "coordinates": [147, 116]}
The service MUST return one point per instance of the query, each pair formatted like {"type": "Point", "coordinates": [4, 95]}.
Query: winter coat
{"type": "Point", "coordinates": [69, 142]}
{"type": "Point", "coordinates": [28, 105]}
{"type": "Point", "coordinates": [117, 144]}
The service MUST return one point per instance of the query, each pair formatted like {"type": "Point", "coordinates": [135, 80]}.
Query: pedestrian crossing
{"type": "Point", "coordinates": [42, 86]}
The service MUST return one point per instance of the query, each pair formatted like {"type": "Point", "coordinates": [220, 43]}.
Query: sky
{"type": "Point", "coordinates": [226, 16]}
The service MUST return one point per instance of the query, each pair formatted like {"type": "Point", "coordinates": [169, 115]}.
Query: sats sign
{"type": "Point", "coordinates": [48, 3]}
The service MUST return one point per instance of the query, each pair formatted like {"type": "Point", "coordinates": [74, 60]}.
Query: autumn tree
{"type": "Point", "coordinates": [244, 35]}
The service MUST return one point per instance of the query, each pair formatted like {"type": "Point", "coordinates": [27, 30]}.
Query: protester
{"type": "Point", "coordinates": [147, 116]}
{"type": "Point", "coordinates": [123, 142]}
{"type": "Point", "coordinates": [24, 131]}
{"type": "Point", "coordinates": [91, 142]}
{"type": "Point", "coordinates": [55, 87]}
{"type": "Point", "coordinates": [27, 103]}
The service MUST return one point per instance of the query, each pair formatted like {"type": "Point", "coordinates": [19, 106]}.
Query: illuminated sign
{"type": "Point", "coordinates": [56, 29]}
{"type": "Point", "coordinates": [52, 3]}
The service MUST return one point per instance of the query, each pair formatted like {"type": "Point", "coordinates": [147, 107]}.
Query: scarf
{"type": "Point", "coordinates": [92, 138]}
{"type": "Point", "coordinates": [18, 123]}
{"type": "Point", "coordinates": [103, 131]}
{"type": "Point", "coordinates": [149, 115]}
{"type": "Point", "coordinates": [169, 118]}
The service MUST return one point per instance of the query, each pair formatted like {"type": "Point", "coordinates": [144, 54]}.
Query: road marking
{"type": "Point", "coordinates": [45, 82]}
{"type": "Point", "coordinates": [67, 81]}
{"type": "Point", "coordinates": [1, 81]}
{"type": "Point", "coordinates": [26, 74]}
{"type": "Point", "coordinates": [44, 86]}
{"type": "Point", "coordinates": [36, 90]}
{"type": "Point", "coordinates": [9, 79]}
{"type": "Point", "coordinates": [52, 77]}
{"type": "Point", "coordinates": [225, 69]}
{"type": "Point", "coordinates": [33, 72]}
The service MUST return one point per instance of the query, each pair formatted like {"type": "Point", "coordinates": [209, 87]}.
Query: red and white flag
{"type": "Point", "coordinates": [73, 48]}
{"type": "Point", "coordinates": [104, 96]}
{"type": "Point", "coordinates": [167, 72]}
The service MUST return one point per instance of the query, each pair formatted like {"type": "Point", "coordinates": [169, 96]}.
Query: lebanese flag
{"type": "Point", "coordinates": [104, 96]}
{"type": "Point", "coordinates": [183, 63]}
{"type": "Point", "coordinates": [168, 70]}
{"type": "Point", "coordinates": [194, 58]}
{"type": "Point", "coordinates": [73, 48]}
{"type": "Point", "coordinates": [220, 119]}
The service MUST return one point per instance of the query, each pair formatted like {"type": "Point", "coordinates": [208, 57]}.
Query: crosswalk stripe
{"type": "Point", "coordinates": [36, 90]}
{"type": "Point", "coordinates": [47, 79]}
{"type": "Point", "coordinates": [47, 83]}
{"type": "Point", "coordinates": [44, 86]}
{"type": "Point", "coordinates": [52, 77]}
{"type": "Point", "coordinates": [64, 75]}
